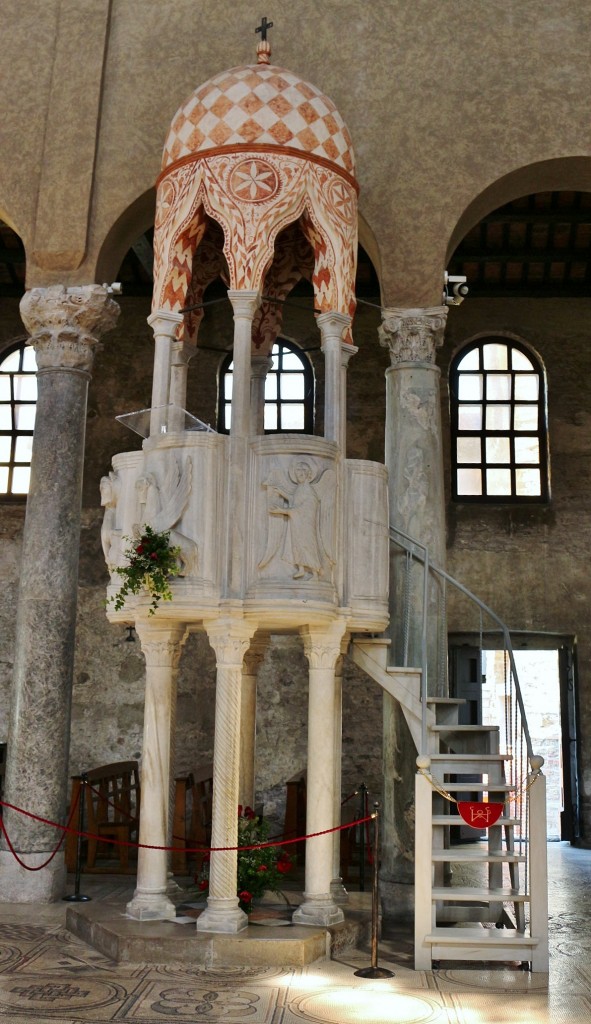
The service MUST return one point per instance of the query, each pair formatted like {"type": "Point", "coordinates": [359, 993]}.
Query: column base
{"type": "Point", "coordinates": [172, 886]}
{"type": "Point", "coordinates": [224, 916]}
{"type": "Point", "coordinates": [338, 891]}
{"type": "Point", "coordinates": [397, 903]}
{"type": "Point", "coordinates": [21, 886]}
{"type": "Point", "coordinates": [151, 906]}
{"type": "Point", "coordinates": [318, 911]}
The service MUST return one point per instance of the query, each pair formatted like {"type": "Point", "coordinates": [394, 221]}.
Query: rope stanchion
{"type": "Point", "coordinates": [374, 971]}
{"type": "Point", "coordinates": [77, 896]}
{"type": "Point", "coordinates": [362, 812]}
{"type": "Point", "coordinates": [151, 846]}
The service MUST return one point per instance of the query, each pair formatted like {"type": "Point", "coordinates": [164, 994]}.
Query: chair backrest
{"type": "Point", "coordinates": [113, 794]}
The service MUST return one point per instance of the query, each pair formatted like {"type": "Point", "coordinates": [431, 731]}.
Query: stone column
{"type": "Point", "coordinates": [65, 327]}
{"type": "Point", "coordinates": [322, 647]}
{"type": "Point", "coordinates": [259, 368]}
{"type": "Point", "coordinates": [165, 324]}
{"type": "Point", "coordinates": [230, 640]}
{"type": "Point", "coordinates": [181, 355]}
{"type": "Point", "coordinates": [339, 893]}
{"type": "Point", "coordinates": [248, 715]}
{"type": "Point", "coordinates": [161, 644]}
{"type": "Point", "coordinates": [416, 496]}
{"type": "Point", "coordinates": [332, 327]}
{"type": "Point", "coordinates": [244, 304]}
{"type": "Point", "coordinates": [347, 351]}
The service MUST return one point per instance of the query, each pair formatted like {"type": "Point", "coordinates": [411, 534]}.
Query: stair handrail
{"type": "Point", "coordinates": [422, 553]}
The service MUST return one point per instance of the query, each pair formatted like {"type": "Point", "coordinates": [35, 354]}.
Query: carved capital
{"type": "Point", "coordinates": [244, 302]}
{"type": "Point", "coordinates": [413, 335]}
{"type": "Point", "coordinates": [161, 646]}
{"type": "Point", "coordinates": [166, 323]}
{"type": "Point", "coordinates": [323, 647]}
{"type": "Point", "coordinates": [255, 655]}
{"type": "Point", "coordinates": [260, 366]}
{"type": "Point", "coordinates": [66, 324]}
{"type": "Point", "coordinates": [347, 350]}
{"type": "Point", "coordinates": [230, 641]}
{"type": "Point", "coordinates": [332, 325]}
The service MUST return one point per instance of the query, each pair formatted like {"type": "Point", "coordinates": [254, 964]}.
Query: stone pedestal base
{"type": "Point", "coordinates": [397, 903]}
{"type": "Point", "coordinates": [151, 906]}
{"type": "Point", "coordinates": [320, 911]}
{"type": "Point", "coordinates": [21, 886]}
{"type": "Point", "coordinates": [338, 891]}
{"type": "Point", "coordinates": [222, 916]}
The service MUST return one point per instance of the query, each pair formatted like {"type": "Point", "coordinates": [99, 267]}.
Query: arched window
{"type": "Point", "coordinates": [18, 397]}
{"type": "Point", "coordinates": [498, 423]}
{"type": "Point", "coordinates": [289, 392]}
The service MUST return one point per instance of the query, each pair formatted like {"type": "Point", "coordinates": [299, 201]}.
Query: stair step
{"type": "Point", "coordinates": [463, 758]}
{"type": "Point", "coordinates": [378, 641]}
{"type": "Point", "coordinates": [456, 819]}
{"type": "Point", "coordinates": [446, 700]}
{"type": "Point", "coordinates": [481, 895]}
{"type": "Point", "coordinates": [493, 937]}
{"type": "Point", "coordinates": [464, 729]}
{"type": "Point", "coordinates": [479, 787]}
{"type": "Point", "coordinates": [459, 856]}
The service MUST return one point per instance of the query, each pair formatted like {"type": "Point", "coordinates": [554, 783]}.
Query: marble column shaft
{"type": "Point", "coordinates": [65, 326]}
{"type": "Point", "coordinates": [244, 304]}
{"type": "Point", "coordinates": [253, 660]}
{"type": "Point", "coordinates": [416, 496]}
{"type": "Point", "coordinates": [230, 640]}
{"type": "Point", "coordinates": [332, 327]}
{"type": "Point", "coordinates": [322, 648]}
{"type": "Point", "coordinates": [161, 645]}
{"type": "Point", "coordinates": [165, 325]}
{"type": "Point", "coordinates": [259, 368]}
{"type": "Point", "coordinates": [337, 888]}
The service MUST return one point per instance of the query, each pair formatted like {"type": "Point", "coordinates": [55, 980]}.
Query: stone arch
{"type": "Point", "coordinates": [543, 176]}
{"type": "Point", "coordinates": [131, 223]}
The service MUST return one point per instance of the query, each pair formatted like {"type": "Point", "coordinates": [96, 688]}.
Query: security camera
{"type": "Point", "coordinates": [455, 289]}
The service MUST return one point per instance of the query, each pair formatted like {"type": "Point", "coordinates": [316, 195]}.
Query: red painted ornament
{"type": "Point", "coordinates": [479, 815]}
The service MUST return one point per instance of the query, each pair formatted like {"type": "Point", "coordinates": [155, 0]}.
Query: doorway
{"type": "Point", "coordinates": [546, 667]}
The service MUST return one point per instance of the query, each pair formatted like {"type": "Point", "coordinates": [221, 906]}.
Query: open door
{"type": "Point", "coordinates": [570, 830]}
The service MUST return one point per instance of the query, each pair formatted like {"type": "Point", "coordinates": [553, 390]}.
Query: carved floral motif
{"type": "Point", "coordinates": [413, 335]}
{"type": "Point", "coordinates": [66, 324]}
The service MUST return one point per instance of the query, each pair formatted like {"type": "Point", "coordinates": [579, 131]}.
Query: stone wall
{"type": "Point", "coordinates": [531, 563]}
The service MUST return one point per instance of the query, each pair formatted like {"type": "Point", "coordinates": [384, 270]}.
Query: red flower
{"type": "Point", "coordinates": [203, 884]}
{"type": "Point", "coordinates": [262, 867]}
{"type": "Point", "coordinates": [249, 813]}
{"type": "Point", "coordinates": [139, 550]}
{"type": "Point", "coordinates": [245, 897]}
{"type": "Point", "coordinates": [154, 555]}
{"type": "Point", "coordinates": [284, 864]}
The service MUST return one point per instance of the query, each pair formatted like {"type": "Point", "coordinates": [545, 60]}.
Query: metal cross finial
{"type": "Point", "coordinates": [263, 28]}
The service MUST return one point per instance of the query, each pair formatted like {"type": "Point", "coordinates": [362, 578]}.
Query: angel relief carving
{"type": "Point", "coordinates": [161, 507]}
{"type": "Point", "coordinates": [300, 506]}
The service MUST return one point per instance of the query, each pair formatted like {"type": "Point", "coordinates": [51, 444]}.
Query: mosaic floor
{"type": "Point", "coordinates": [48, 975]}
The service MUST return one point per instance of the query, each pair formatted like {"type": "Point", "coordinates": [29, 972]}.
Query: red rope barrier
{"type": "Point", "coordinates": [168, 849]}
{"type": "Point", "coordinates": [65, 828]}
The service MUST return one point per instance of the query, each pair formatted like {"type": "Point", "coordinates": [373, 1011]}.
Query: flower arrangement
{"type": "Point", "coordinates": [259, 870]}
{"type": "Point", "coordinates": [150, 565]}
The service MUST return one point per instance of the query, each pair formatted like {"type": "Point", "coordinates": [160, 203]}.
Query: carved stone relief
{"type": "Point", "coordinates": [161, 505]}
{"type": "Point", "coordinates": [300, 501]}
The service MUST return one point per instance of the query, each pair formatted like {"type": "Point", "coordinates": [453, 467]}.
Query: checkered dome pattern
{"type": "Point", "coordinates": [263, 105]}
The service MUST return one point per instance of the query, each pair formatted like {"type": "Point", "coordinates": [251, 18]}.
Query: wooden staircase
{"type": "Point", "coordinates": [472, 902]}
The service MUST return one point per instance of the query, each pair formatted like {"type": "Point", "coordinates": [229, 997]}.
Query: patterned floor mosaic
{"type": "Point", "coordinates": [46, 974]}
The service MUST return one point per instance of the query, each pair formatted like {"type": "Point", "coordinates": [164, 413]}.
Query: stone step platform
{"type": "Point", "coordinates": [105, 927]}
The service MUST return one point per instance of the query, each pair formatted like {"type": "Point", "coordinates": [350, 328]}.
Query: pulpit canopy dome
{"type": "Point", "coordinates": [261, 106]}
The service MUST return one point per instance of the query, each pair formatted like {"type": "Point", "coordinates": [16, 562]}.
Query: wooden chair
{"type": "Point", "coordinates": [192, 824]}
{"type": "Point", "coordinates": [111, 809]}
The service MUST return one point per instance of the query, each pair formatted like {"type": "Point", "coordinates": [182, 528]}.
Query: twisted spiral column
{"type": "Point", "coordinates": [230, 640]}
{"type": "Point", "coordinates": [161, 645]}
